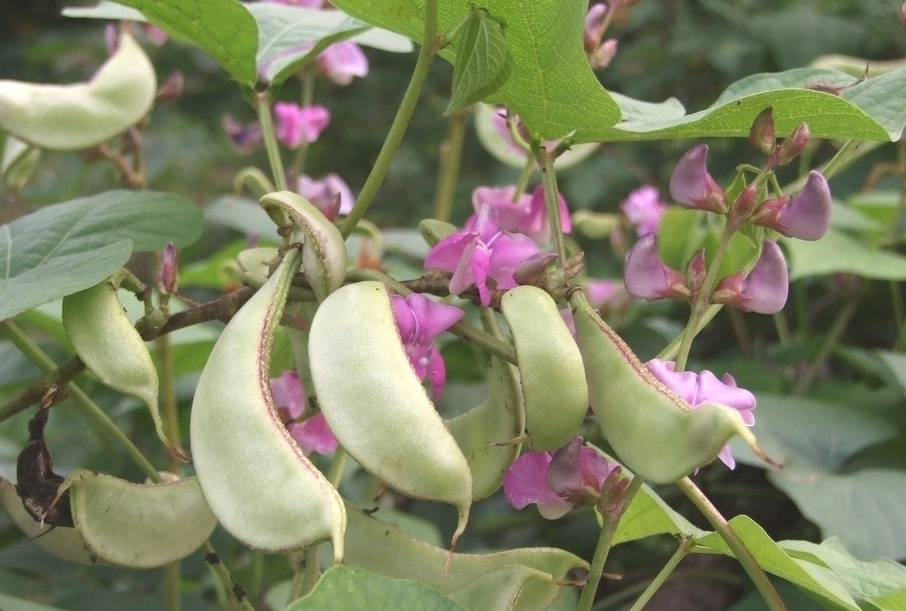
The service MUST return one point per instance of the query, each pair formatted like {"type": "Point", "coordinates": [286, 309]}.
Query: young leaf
{"type": "Point", "coordinates": [483, 63]}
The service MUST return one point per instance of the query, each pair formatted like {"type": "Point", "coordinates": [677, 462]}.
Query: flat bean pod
{"type": "Point", "coordinates": [550, 367]}
{"type": "Point", "coordinates": [73, 117]}
{"type": "Point", "coordinates": [376, 405]}
{"type": "Point", "coordinates": [254, 476]}
{"type": "Point", "coordinates": [108, 344]}
{"type": "Point", "coordinates": [653, 431]}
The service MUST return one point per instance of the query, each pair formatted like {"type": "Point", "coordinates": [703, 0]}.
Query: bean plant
{"type": "Point", "coordinates": [317, 442]}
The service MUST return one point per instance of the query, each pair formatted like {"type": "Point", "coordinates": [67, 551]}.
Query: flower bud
{"type": "Point", "coordinates": [903, 14]}
{"type": "Point", "coordinates": [692, 187]}
{"type": "Point", "coordinates": [743, 207]}
{"type": "Point", "coordinates": [172, 88]}
{"type": "Point", "coordinates": [167, 278]}
{"type": "Point", "coordinates": [793, 145]}
{"type": "Point", "coordinates": [648, 277]}
{"type": "Point", "coordinates": [696, 271]}
{"type": "Point", "coordinates": [805, 216]}
{"type": "Point", "coordinates": [764, 290]}
{"type": "Point", "coordinates": [762, 133]}
{"type": "Point", "coordinates": [532, 270]}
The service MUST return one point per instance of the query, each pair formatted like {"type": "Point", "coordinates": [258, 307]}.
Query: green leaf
{"type": "Point", "coordinates": [344, 588]}
{"type": "Point", "coordinates": [286, 34]}
{"type": "Point", "coordinates": [109, 11]}
{"type": "Point", "coordinates": [11, 603]}
{"type": "Point", "coordinates": [68, 247]}
{"type": "Point", "coordinates": [649, 515]}
{"type": "Point", "coordinates": [552, 87]}
{"type": "Point", "coordinates": [222, 28]}
{"type": "Point", "coordinates": [482, 64]}
{"type": "Point", "coordinates": [838, 253]}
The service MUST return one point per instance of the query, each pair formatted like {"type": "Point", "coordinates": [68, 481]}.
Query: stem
{"type": "Point", "coordinates": [525, 175]}
{"type": "Point", "coordinates": [681, 552]}
{"type": "Point", "coordinates": [172, 584]}
{"type": "Point", "coordinates": [739, 549]}
{"type": "Point", "coordinates": [450, 162]}
{"type": "Point", "coordinates": [270, 141]}
{"type": "Point", "coordinates": [551, 202]}
{"type": "Point", "coordinates": [608, 529]}
{"type": "Point", "coordinates": [237, 593]}
{"type": "Point", "coordinates": [37, 356]}
{"type": "Point", "coordinates": [168, 394]}
{"type": "Point", "coordinates": [337, 467]}
{"type": "Point", "coordinates": [305, 577]}
{"type": "Point", "coordinates": [400, 121]}
{"type": "Point", "coordinates": [830, 342]}
{"type": "Point", "coordinates": [672, 349]}
{"type": "Point", "coordinates": [308, 96]}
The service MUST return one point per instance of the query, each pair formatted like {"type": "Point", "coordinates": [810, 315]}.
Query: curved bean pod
{"type": "Point", "coordinates": [653, 431]}
{"type": "Point", "coordinates": [108, 344]}
{"type": "Point", "coordinates": [480, 431]}
{"type": "Point", "coordinates": [254, 476]}
{"type": "Point", "coordinates": [376, 405]}
{"type": "Point", "coordinates": [73, 117]}
{"type": "Point", "coordinates": [323, 250]}
{"type": "Point", "coordinates": [550, 367]}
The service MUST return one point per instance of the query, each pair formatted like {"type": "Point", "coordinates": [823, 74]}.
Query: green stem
{"type": "Point", "coordinates": [549, 179]}
{"type": "Point", "coordinates": [400, 121]}
{"type": "Point", "coordinates": [306, 576]}
{"type": "Point", "coordinates": [830, 342]}
{"type": "Point", "coordinates": [736, 545]}
{"type": "Point", "coordinates": [223, 573]}
{"type": "Point", "coordinates": [450, 162]}
{"type": "Point", "coordinates": [672, 349]}
{"type": "Point", "coordinates": [700, 301]}
{"type": "Point", "coordinates": [172, 586]}
{"type": "Point", "coordinates": [525, 175]}
{"type": "Point", "coordinates": [37, 356]}
{"type": "Point", "coordinates": [308, 96]}
{"type": "Point", "coordinates": [337, 467]}
{"type": "Point", "coordinates": [681, 552]}
{"type": "Point", "coordinates": [254, 180]}
{"type": "Point", "coordinates": [608, 529]}
{"type": "Point", "coordinates": [270, 141]}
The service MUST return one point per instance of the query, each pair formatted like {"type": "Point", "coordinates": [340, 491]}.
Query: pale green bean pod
{"type": "Point", "coordinates": [550, 367]}
{"type": "Point", "coordinates": [72, 117]}
{"type": "Point", "coordinates": [653, 431]}
{"type": "Point", "coordinates": [323, 250]}
{"type": "Point", "coordinates": [376, 405]}
{"type": "Point", "coordinates": [108, 344]}
{"type": "Point", "coordinates": [254, 476]}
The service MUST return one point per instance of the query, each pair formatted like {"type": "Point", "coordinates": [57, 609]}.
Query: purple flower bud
{"type": "Point", "coordinates": [532, 270]}
{"type": "Point", "coordinates": [696, 270]}
{"type": "Point", "coordinates": [297, 124]}
{"type": "Point", "coordinates": [793, 145]}
{"type": "Point", "coordinates": [601, 57]}
{"type": "Point", "coordinates": [646, 276]}
{"type": "Point", "coordinates": [644, 208]}
{"type": "Point", "coordinates": [744, 206]}
{"type": "Point", "coordinates": [244, 139]}
{"type": "Point", "coordinates": [692, 187]}
{"type": "Point", "coordinates": [342, 61]}
{"type": "Point", "coordinates": [167, 278]}
{"type": "Point", "coordinates": [594, 27]}
{"type": "Point", "coordinates": [764, 290]}
{"type": "Point", "coordinates": [805, 216]}
{"type": "Point", "coordinates": [329, 194]}
{"type": "Point", "coordinates": [172, 88]}
{"type": "Point", "coordinates": [761, 135]}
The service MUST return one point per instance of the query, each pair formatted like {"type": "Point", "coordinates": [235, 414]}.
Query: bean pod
{"type": "Point", "coordinates": [653, 431]}
{"type": "Point", "coordinates": [254, 476]}
{"type": "Point", "coordinates": [550, 367]}
{"type": "Point", "coordinates": [376, 405]}
{"type": "Point", "coordinates": [108, 344]}
{"type": "Point", "coordinates": [73, 117]}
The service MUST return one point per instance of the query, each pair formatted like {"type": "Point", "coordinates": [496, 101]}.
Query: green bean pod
{"type": "Point", "coordinates": [254, 476]}
{"type": "Point", "coordinates": [482, 432]}
{"type": "Point", "coordinates": [108, 344]}
{"type": "Point", "coordinates": [73, 117]}
{"type": "Point", "coordinates": [550, 367]}
{"type": "Point", "coordinates": [653, 431]}
{"type": "Point", "coordinates": [323, 249]}
{"type": "Point", "coordinates": [376, 405]}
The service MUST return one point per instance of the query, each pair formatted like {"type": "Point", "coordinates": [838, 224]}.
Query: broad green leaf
{"type": "Point", "coordinates": [222, 28]}
{"type": "Point", "coordinates": [552, 87]}
{"type": "Point", "coordinates": [286, 35]}
{"type": "Point", "coordinates": [896, 362]}
{"type": "Point", "coordinates": [11, 603]}
{"type": "Point", "coordinates": [649, 515]}
{"type": "Point", "coordinates": [105, 9]}
{"type": "Point", "coordinates": [813, 440]}
{"type": "Point", "coordinates": [344, 588]}
{"type": "Point", "coordinates": [18, 161]}
{"type": "Point", "coordinates": [482, 64]}
{"type": "Point", "coordinates": [838, 253]}
{"type": "Point", "coordinates": [68, 247]}
{"type": "Point", "coordinates": [243, 215]}
{"type": "Point", "coordinates": [506, 587]}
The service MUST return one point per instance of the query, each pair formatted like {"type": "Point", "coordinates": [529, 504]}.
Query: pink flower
{"type": "Point", "coordinates": [297, 124]}
{"type": "Point", "coordinates": [763, 290]}
{"type": "Point", "coordinates": [421, 321]}
{"type": "Point", "coordinates": [805, 216]}
{"type": "Point", "coordinates": [342, 61]}
{"type": "Point", "coordinates": [646, 276]}
{"type": "Point", "coordinates": [482, 251]}
{"type": "Point", "coordinates": [523, 214]}
{"type": "Point", "coordinates": [600, 54]}
{"type": "Point", "coordinates": [326, 193]}
{"type": "Point", "coordinates": [692, 187]}
{"type": "Point", "coordinates": [244, 139]}
{"type": "Point", "coordinates": [644, 208]}
{"type": "Point", "coordinates": [557, 481]}
{"type": "Point", "coordinates": [312, 434]}
{"type": "Point", "coordinates": [700, 388]}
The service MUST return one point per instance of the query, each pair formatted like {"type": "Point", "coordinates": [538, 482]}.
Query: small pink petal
{"type": "Point", "coordinates": [646, 276]}
{"type": "Point", "coordinates": [525, 482]}
{"type": "Point", "coordinates": [342, 61]}
{"type": "Point", "coordinates": [314, 435]}
{"type": "Point", "coordinates": [288, 394]}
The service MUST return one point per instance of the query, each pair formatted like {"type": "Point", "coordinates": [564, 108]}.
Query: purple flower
{"type": "Point", "coordinates": [326, 193]}
{"type": "Point", "coordinates": [244, 139]}
{"type": "Point", "coordinates": [421, 321]}
{"type": "Point", "coordinates": [805, 216]}
{"type": "Point", "coordinates": [557, 481]}
{"type": "Point", "coordinates": [644, 208]}
{"type": "Point", "coordinates": [479, 252]}
{"type": "Point", "coordinates": [700, 388]}
{"type": "Point", "coordinates": [312, 434]}
{"type": "Point", "coordinates": [297, 124]}
{"type": "Point", "coordinates": [692, 187]}
{"type": "Point", "coordinates": [523, 214]}
{"type": "Point", "coordinates": [600, 54]}
{"type": "Point", "coordinates": [342, 61]}
{"type": "Point", "coordinates": [763, 290]}
{"type": "Point", "coordinates": [646, 276]}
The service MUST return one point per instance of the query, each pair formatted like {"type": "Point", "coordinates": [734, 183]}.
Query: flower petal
{"type": "Point", "coordinates": [314, 435]}
{"type": "Point", "coordinates": [525, 482]}
{"type": "Point", "coordinates": [289, 395]}
{"type": "Point", "coordinates": [767, 285]}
